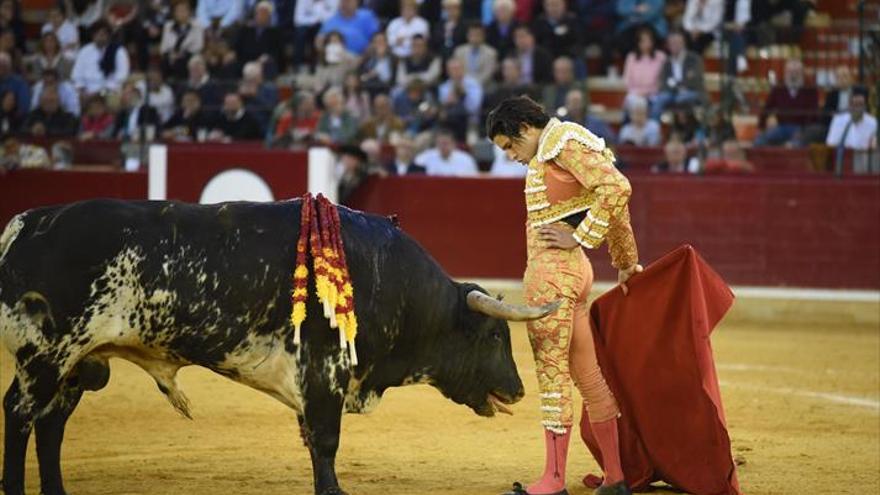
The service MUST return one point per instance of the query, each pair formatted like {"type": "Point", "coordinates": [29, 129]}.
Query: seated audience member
{"type": "Point", "coordinates": [160, 94]}
{"type": "Point", "coordinates": [510, 85]}
{"type": "Point", "coordinates": [97, 121]}
{"type": "Point", "coordinates": [575, 110]}
{"type": "Point", "coordinates": [731, 160]}
{"type": "Point", "coordinates": [701, 20]}
{"type": "Point", "coordinates": [450, 32]}
{"type": "Point", "coordinates": [383, 125]}
{"type": "Point", "coordinates": [421, 64]}
{"type": "Point", "coordinates": [559, 31]}
{"type": "Point", "coordinates": [69, 97]}
{"type": "Point", "coordinates": [416, 107]}
{"type": "Point", "coordinates": [479, 60]}
{"type": "Point", "coordinates": [200, 80]}
{"type": "Point", "coordinates": [444, 159]}
{"type": "Point", "coordinates": [635, 14]}
{"type": "Point", "coordinates": [134, 116]}
{"type": "Point", "coordinates": [222, 61]}
{"type": "Point", "coordinates": [499, 33]}
{"type": "Point", "coordinates": [401, 30]}
{"type": "Point", "coordinates": [676, 160]}
{"type": "Point", "coordinates": [10, 120]}
{"type": "Point", "coordinates": [378, 66]}
{"type": "Point", "coordinates": [535, 63]}
{"type": "Point", "coordinates": [640, 131]}
{"type": "Point", "coordinates": [297, 123]}
{"type": "Point", "coordinates": [356, 99]}
{"type": "Point", "coordinates": [554, 95]}
{"type": "Point", "coordinates": [260, 41]}
{"type": "Point", "coordinates": [837, 100]}
{"type": "Point", "coordinates": [15, 154]}
{"type": "Point", "coordinates": [235, 123]}
{"type": "Point", "coordinates": [334, 62]}
{"type": "Point", "coordinates": [641, 71]}
{"type": "Point", "coordinates": [855, 130]}
{"type": "Point", "coordinates": [102, 65]}
{"type": "Point", "coordinates": [64, 30]}
{"type": "Point", "coordinates": [404, 159]}
{"type": "Point", "coordinates": [462, 88]}
{"type": "Point", "coordinates": [357, 26]}
{"type": "Point", "coordinates": [681, 78]}
{"type": "Point", "coordinates": [49, 119]}
{"type": "Point", "coordinates": [182, 37]}
{"type": "Point", "coordinates": [48, 57]}
{"type": "Point", "coordinates": [190, 122]}
{"type": "Point", "coordinates": [259, 97]}
{"type": "Point", "coordinates": [789, 109]}
{"type": "Point", "coordinates": [14, 83]}
{"type": "Point", "coordinates": [336, 125]}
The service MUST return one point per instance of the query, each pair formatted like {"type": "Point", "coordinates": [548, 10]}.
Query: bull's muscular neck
{"type": "Point", "coordinates": [414, 343]}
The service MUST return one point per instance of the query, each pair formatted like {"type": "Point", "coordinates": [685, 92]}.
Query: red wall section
{"type": "Point", "coordinates": [21, 190]}
{"type": "Point", "coordinates": [190, 167]}
{"type": "Point", "coordinates": [810, 232]}
{"type": "Point", "coordinates": [755, 230]}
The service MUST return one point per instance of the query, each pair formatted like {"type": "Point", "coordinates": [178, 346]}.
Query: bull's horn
{"type": "Point", "coordinates": [490, 306]}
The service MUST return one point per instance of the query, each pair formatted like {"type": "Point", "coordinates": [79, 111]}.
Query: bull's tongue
{"type": "Point", "coordinates": [498, 405]}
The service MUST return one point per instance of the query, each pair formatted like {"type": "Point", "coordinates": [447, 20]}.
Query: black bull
{"type": "Point", "coordinates": [167, 285]}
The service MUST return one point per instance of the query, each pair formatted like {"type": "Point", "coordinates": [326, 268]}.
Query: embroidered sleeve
{"type": "Point", "coordinates": [621, 241]}
{"type": "Point", "coordinates": [610, 192]}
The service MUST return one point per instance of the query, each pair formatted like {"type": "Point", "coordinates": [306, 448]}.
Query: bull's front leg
{"type": "Point", "coordinates": [320, 427]}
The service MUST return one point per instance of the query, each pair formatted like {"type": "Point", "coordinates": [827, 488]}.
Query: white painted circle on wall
{"type": "Point", "coordinates": [236, 184]}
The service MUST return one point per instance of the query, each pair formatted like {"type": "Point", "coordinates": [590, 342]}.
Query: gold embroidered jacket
{"type": "Point", "coordinates": [572, 172]}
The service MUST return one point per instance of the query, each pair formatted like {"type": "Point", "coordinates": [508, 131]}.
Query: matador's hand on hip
{"type": "Point", "coordinates": [557, 238]}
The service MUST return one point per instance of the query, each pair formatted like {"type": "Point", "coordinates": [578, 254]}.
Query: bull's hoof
{"type": "Point", "coordinates": [333, 490]}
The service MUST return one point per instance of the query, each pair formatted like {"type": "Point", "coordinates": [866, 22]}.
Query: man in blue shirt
{"type": "Point", "coordinates": [356, 25]}
{"type": "Point", "coordinates": [10, 81]}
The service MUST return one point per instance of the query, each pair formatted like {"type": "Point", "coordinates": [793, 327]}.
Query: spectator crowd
{"type": "Point", "coordinates": [413, 77]}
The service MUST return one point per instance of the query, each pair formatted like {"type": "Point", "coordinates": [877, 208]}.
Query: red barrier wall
{"type": "Point", "coordinates": [22, 190]}
{"type": "Point", "coordinates": [190, 167]}
{"type": "Point", "coordinates": [793, 231]}
{"type": "Point", "coordinates": [810, 232]}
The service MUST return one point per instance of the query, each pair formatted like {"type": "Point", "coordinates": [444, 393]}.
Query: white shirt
{"type": "Point", "coordinates": [647, 135]}
{"type": "Point", "coordinates": [458, 163]}
{"type": "Point", "coordinates": [858, 137]}
{"type": "Point", "coordinates": [400, 33]}
{"type": "Point", "coordinates": [87, 72]}
{"type": "Point", "coordinates": [312, 12]}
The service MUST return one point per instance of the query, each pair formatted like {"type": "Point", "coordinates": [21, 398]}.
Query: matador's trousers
{"type": "Point", "coordinates": [562, 343]}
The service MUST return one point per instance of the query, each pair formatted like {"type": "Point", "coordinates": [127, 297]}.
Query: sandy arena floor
{"type": "Point", "coordinates": [802, 404]}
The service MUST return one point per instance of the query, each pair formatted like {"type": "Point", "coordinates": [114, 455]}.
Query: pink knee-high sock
{"type": "Point", "coordinates": [607, 438]}
{"type": "Point", "coordinates": [553, 480]}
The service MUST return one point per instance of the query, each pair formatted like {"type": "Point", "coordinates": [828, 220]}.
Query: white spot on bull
{"type": "Point", "coordinates": [263, 364]}
{"type": "Point", "coordinates": [10, 233]}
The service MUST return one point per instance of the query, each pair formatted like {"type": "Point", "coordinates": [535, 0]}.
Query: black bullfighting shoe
{"type": "Point", "coordinates": [615, 489]}
{"type": "Point", "coordinates": [519, 490]}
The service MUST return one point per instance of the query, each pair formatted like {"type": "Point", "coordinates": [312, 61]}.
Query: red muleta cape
{"type": "Point", "coordinates": [654, 349]}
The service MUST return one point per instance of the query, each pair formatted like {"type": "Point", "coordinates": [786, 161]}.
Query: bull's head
{"type": "Point", "coordinates": [476, 367]}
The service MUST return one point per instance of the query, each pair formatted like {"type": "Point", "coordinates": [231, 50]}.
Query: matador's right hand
{"type": "Point", "coordinates": [625, 274]}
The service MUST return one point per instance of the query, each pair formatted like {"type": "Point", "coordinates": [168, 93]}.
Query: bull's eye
{"type": "Point", "coordinates": [496, 336]}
